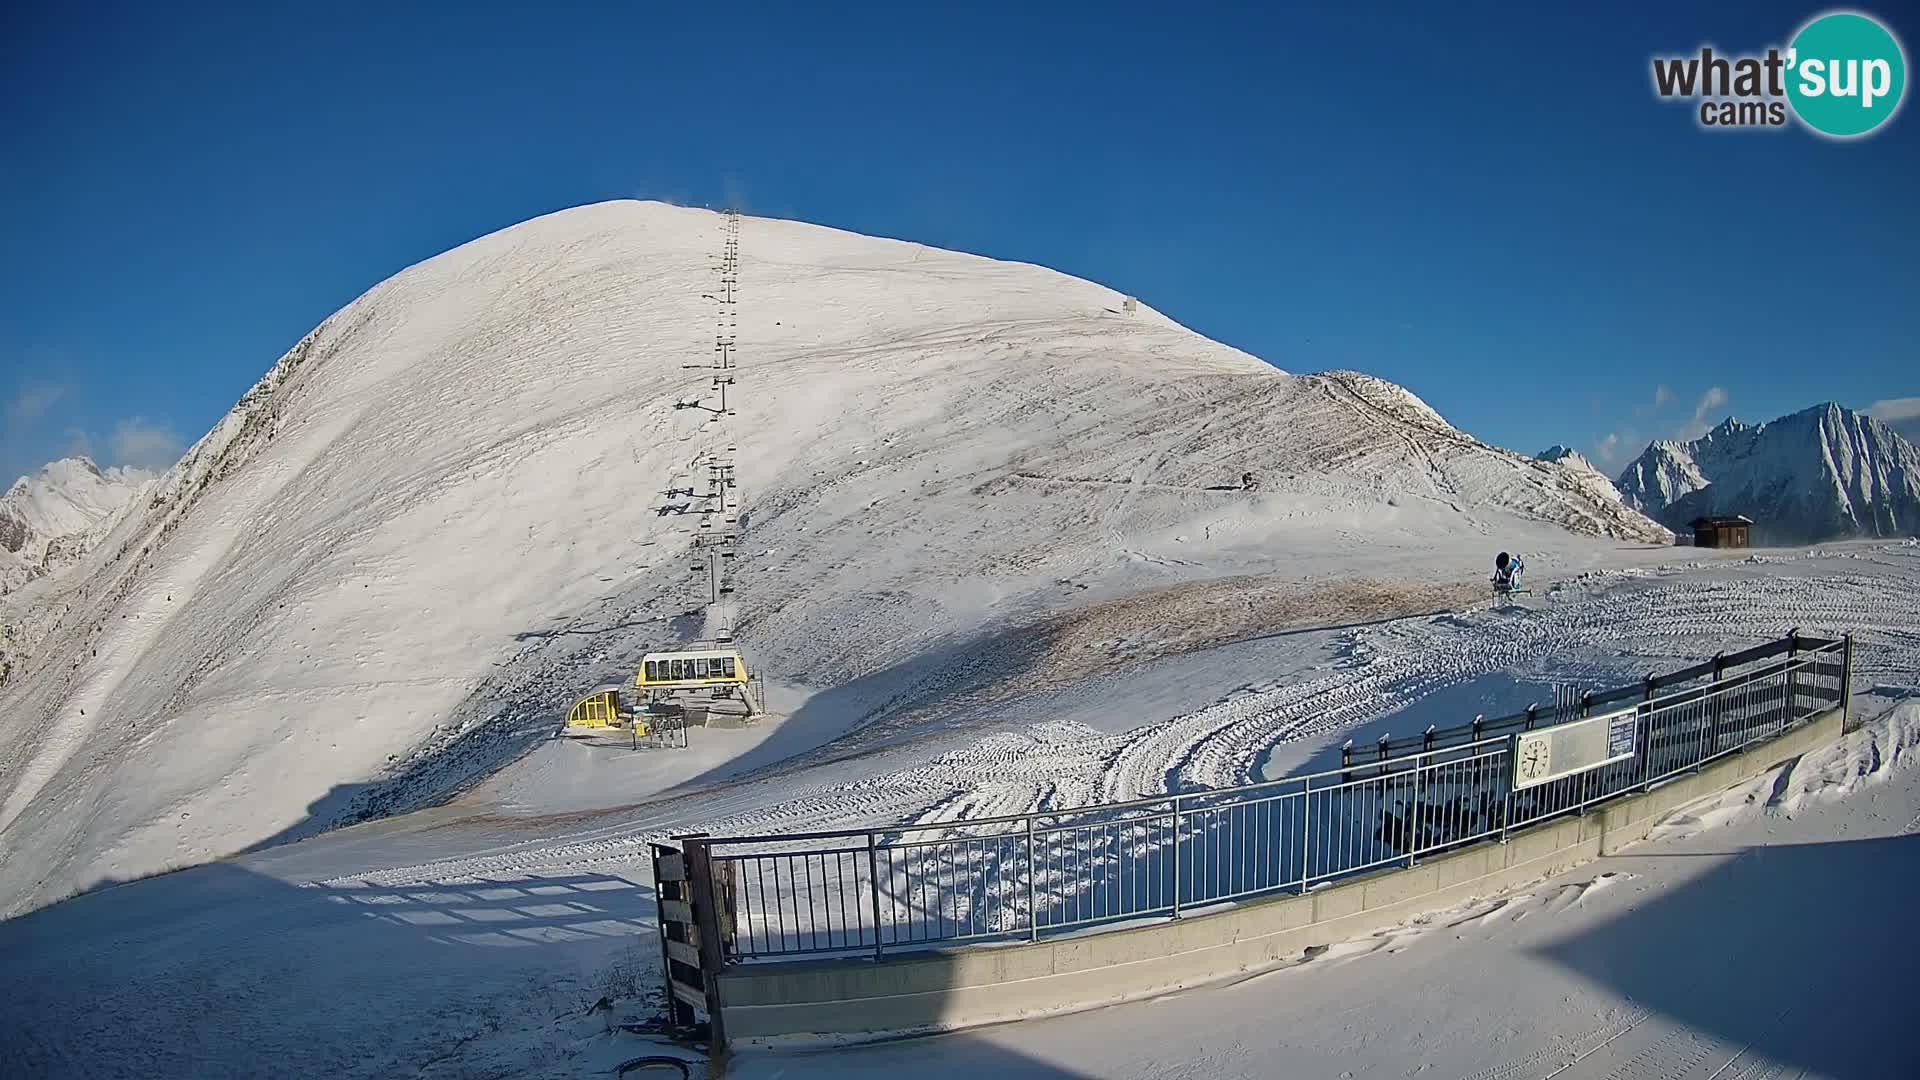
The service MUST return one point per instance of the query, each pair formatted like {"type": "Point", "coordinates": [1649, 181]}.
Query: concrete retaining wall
{"type": "Point", "coordinates": [966, 986]}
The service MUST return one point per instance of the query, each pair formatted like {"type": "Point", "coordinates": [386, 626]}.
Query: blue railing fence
{"type": "Point", "coordinates": [866, 892]}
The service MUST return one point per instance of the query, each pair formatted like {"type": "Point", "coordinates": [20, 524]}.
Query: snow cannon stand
{"type": "Point", "coordinates": [1506, 577]}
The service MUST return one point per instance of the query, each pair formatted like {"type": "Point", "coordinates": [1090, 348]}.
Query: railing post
{"type": "Point", "coordinates": [1716, 711]}
{"type": "Point", "coordinates": [1506, 786]}
{"type": "Point", "coordinates": [1793, 698]}
{"type": "Point", "coordinates": [1306, 832]}
{"type": "Point", "coordinates": [1176, 856]}
{"type": "Point", "coordinates": [1586, 778]}
{"type": "Point", "coordinates": [1413, 812]}
{"type": "Point", "coordinates": [1033, 871]}
{"type": "Point", "coordinates": [1846, 682]}
{"type": "Point", "coordinates": [873, 883]}
{"type": "Point", "coordinates": [1646, 746]}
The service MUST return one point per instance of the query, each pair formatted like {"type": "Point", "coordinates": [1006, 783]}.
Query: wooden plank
{"type": "Point", "coordinates": [676, 911]}
{"type": "Point", "coordinates": [683, 952]}
{"type": "Point", "coordinates": [689, 995]}
{"type": "Point", "coordinates": [700, 879]}
{"type": "Point", "coordinates": [672, 867]}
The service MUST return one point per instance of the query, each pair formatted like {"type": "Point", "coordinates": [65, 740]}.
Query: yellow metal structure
{"type": "Point", "coordinates": [691, 669]}
{"type": "Point", "coordinates": [600, 709]}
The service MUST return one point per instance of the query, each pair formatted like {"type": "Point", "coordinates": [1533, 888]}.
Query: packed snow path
{"type": "Point", "coordinates": [1609, 630]}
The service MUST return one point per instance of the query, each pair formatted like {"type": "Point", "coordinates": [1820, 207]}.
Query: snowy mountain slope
{"type": "Point", "coordinates": [504, 925]}
{"type": "Point", "coordinates": [1567, 456]}
{"type": "Point", "coordinates": [50, 519]}
{"type": "Point", "coordinates": [456, 502]}
{"type": "Point", "coordinates": [1818, 474]}
{"type": "Point", "coordinates": [1581, 472]}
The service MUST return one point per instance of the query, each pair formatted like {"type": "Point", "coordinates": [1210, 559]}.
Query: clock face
{"type": "Point", "coordinates": [1535, 759]}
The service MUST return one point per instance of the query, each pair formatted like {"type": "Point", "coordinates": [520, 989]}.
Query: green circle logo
{"type": "Point", "coordinates": [1845, 74]}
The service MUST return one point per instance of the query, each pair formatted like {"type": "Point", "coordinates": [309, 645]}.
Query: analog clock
{"type": "Point", "coordinates": [1535, 759]}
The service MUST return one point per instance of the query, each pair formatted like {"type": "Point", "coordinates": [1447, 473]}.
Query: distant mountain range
{"type": "Point", "coordinates": [49, 520]}
{"type": "Point", "coordinates": [1823, 473]}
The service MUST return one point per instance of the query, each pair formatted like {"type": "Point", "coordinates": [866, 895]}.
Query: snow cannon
{"type": "Point", "coordinates": [1506, 574]}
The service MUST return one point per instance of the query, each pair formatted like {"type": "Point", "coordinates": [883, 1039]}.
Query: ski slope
{"type": "Point", "coordinates": [470, 941]}
{"type": "Point", "coordinates": [1287, 703]}
{"type": "Point", "coordinates": [453, 506]}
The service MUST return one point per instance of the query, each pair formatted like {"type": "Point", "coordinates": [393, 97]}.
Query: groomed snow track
{"type": "Point", "coordinates": [1615, 627]}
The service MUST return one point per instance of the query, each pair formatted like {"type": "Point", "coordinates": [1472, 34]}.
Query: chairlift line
{"type": "Point", "coordinates": [714, 667]}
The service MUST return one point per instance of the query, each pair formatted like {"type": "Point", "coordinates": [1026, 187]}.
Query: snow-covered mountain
{"type": "Point", "coordinates": [50, 519]}
{"type": "Point", "coordinates": [1580, 472]}
{"type": "Point", "coordinates": [1566, 455]}
{"type": "Point", "coordinates": [1818, 474]}
{"type": "Point", "coordinates": [1663, 473]}
{"type": "Point", "coordinates": [462, 498]}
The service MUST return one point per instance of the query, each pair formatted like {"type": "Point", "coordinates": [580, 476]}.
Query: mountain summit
{"type": "Point", "coordinates": [1566, 455]}
{"type": "Point", "coordinates": [470, 495]}
{"type": "Point", "coordinates": [1819, 474]}
{"type": "Point", "coordinates": [50, 519]}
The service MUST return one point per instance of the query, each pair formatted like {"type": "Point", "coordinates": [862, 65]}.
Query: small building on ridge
{"type": "Point", "coordinates": [1722, 532]}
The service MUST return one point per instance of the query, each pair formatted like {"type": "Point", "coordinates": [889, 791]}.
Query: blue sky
{"type": "Point", "coordinates": [1485, 204]}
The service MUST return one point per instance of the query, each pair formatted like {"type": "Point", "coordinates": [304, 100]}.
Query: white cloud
{"type": "Point", "coordinates": [1615, 447]}
{"type": "Point", "coordinates": [32, 402]}
{"type": "Point", "coordinates": [147, 446]}
{"type": "Point", "coordinates": [1703, 414]}
{"type": "Point", "coordinates": [1900, 414]}
{"type": "Point", "coordinates": [1663, 396]}
{"type": "Point", "coordinates": [1714, 398]}
{"type": "Point", "coordinates": [1894, 410]}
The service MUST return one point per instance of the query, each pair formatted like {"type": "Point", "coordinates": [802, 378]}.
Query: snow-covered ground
{"type": "Point", "coordinates": [1245, 711]}
{"type": "Point", "coordinates": [469, 940]}
{"type": "Point", "coordinates": [997, 558]}
{"type": "Point", "coordinates": [455, 505]}
{"type": "Point", "coordinates": [1763, 933]}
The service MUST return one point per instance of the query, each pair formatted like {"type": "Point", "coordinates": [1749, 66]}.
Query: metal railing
{"type": "Point", "coordinates": [868, 891]}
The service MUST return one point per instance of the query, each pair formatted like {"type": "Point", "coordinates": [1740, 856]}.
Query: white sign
{"type": "Point", "coordinates": [1572, 748]}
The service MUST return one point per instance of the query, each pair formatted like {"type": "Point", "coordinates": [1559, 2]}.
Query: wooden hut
{"type": "Point", "coordinates": [1722, 532]}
